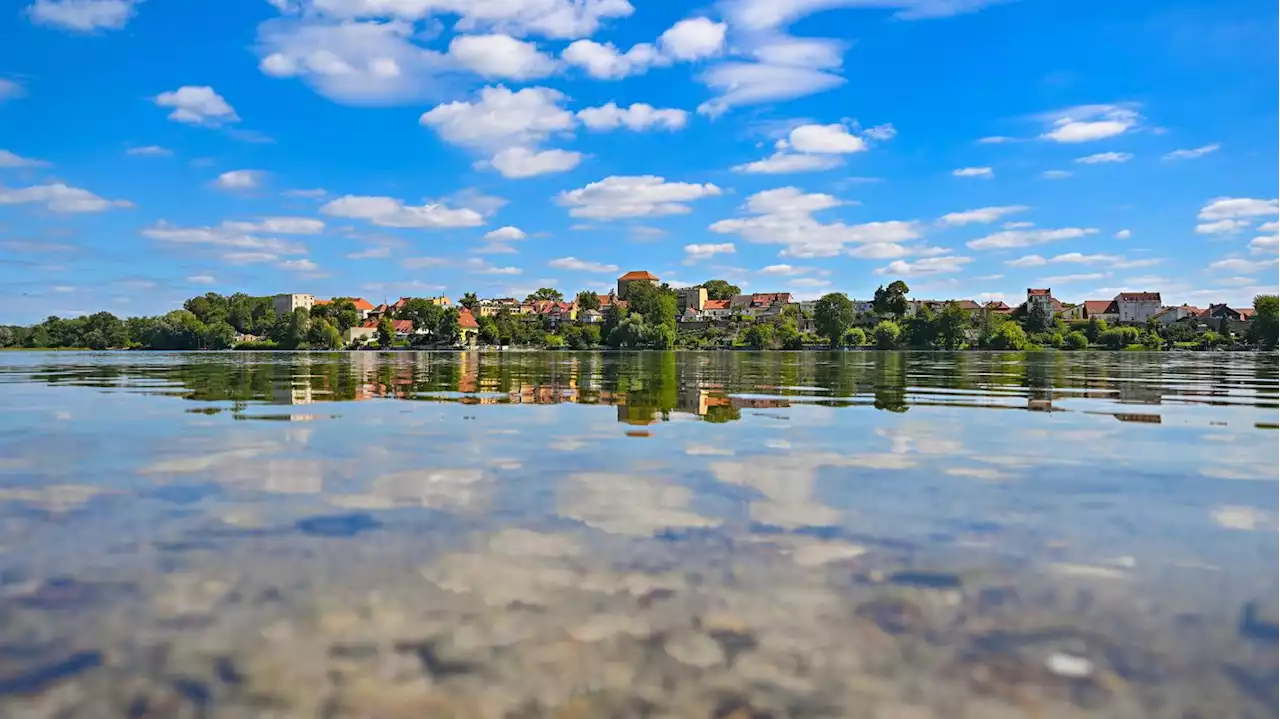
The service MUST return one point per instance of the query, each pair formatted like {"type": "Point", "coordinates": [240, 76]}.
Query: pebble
{"type": "Point", "coordinates": [1068, 666]}
{"type": "Point", "coordinates": [696, 650]}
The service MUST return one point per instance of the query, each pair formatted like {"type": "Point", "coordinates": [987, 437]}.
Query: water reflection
{"type": "Point", "coordinates": [631, 534]}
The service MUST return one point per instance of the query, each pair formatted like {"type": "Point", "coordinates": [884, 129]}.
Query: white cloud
{"type": "Point", "coordinates": [1086, 123]}
{"type": "Point", "coordinates": [746, 83]}
{"type": "Point", "coordinates": [973, 172]}
{"type": "Point", "coordinates": [149, 151]}
{"type": "Point", "coordinates": [312, 194]}
{"type": "Point", "coordinates": [1027, 261]}
{"type": "Point", "coordinates": [1192, 153]}
{"type": "Point", "coordinates": [1242, 266]}
{"type": "Point", "coordinates": [501, 56]}
{"type": "Point", "coordinates": [1123, 235]}
{"type": "Point", "coordinates": [1264, 245]}
{"type": "Point", "coordinates": [825, 139]}
{"type": "Point", "coordinates": [1221, 227]}
{"type": "Point", "coordinates": [995, 140]}
{"type": "Point", "coordinates": [240, 180]}
{"type": "Point", "coordinates": [1236, 207]}
{"type": "Point", "coordinates": [521, 162]}
{"type": "Point", "coordinates": [577, 265]}
{"type": "Point", "coordinates": [418, 263]}
{"type": "Point", "coordinates": [248, 258]}
{"type": "Point", "coordinates": [1017, 225]}
{"type": "Point", "coordinates": [884, 131]}
{"type": "Point", "coordinates": [1269, 227]}
{"type": "Point", "coordinates": [59, 198]}
{"type": "Point", "coordinates": [784, 270]}
{"type": "Point", "coordinates": [878, 251]}
{"type": "Point", "coordinates": [696, 253]}
{"type": "Point", "coordinates": [391, 212]}
{"type": "Point", "coordinates": [927, 266]}
{"type": "Point", "coordinates": [693, 39]}
{"type": "Point", "coordinates": [1023, 238]}
{"type": "Point", "coordinates": [500, 118]}
{"type": "Point", "coordinates": [278, 225]}
{"type": "Point", "coordinates": [604, 61]}
{"type": "Point", "coordinates": [550, 18]}
{"type": "Point", "coordinates": [505, 234]}
{"type": "Point", "coordinates": [634, 196]}
{"type": "Point", "coordinates": [10, 90]}
{"type": "Point", "coordinates": [781, 163]}
{"type": "Point", "coordinates": [984, 215]}
{"type": "Point", "coordinates": [785, 216]}
{"type": "Point", "coordinates": [197, 105]}
{"type": "Point", "coordinates": [202, 279]}
{"type": "Point", "coordinates": [807, 52]}
{"type": "Point", "coordinates": [639, 117]}
{"type": "Point", "coordinates": [302, 265]}
{"type": "Point", "coordinates": [1067, 279]}
{"type": "Point", "coordinates": [248, 248]}
{"type": "Point", "coordinates": [82, 15]}
{"type": "Point", "coordinates": [768, 14]}
{"type": "Point", "coordinates": [1104, 157]}
{"type": "Point", "coordinates": [1056, 174]}
{"type": "Point", "coordinates": [9, 159]}
{"type": "Point", "coordinates": [370, 253]}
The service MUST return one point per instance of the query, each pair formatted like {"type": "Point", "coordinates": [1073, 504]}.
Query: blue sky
{"type": "Point", "coordinates": [154, 150]}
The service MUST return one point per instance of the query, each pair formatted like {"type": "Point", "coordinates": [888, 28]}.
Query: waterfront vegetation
{"type": "Point", "coordinates": [647, 321]}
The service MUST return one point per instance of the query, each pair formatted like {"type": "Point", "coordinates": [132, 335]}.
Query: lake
{"type": "Point", "coordinates": [732, 535]}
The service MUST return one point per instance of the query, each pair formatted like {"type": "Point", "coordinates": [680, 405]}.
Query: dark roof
{"type": "Point", "coordinates": [1138, 296]}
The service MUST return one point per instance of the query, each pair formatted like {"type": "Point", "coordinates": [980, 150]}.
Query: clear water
{"type": "Point", "coordinates": [881, 535]}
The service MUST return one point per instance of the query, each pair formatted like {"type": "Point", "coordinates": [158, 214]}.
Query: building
{"type": "Point", "coordinates": [1169, 315]}
{"type": "Point", "coordinates": [760, 304]}
{"type": "Point", "coordinates": [635, 277]}
{"type": "Point", "coordinates": [1042, 301]}
{"type": "Point", "coordinates": [716, 310]}
{"type": "Point", "coordinates": [1137, 307]}
{"type": "Point", "coordinates": [362, 333]}
{"type": "Point", "coordinates": [468, 328]}
{"type": "Point", "coordinates": [491, 308]}
{"type": "Point", "coordinates": [695, 297]}
{"type": "Point", "coordinates": [591, 317]}
{"type": "Point", "coordinates": [285, 304]}
{"type": "Point", "coordinates": [1106, 310]}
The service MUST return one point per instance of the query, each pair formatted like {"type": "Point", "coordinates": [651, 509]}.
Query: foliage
{"type": "Point", "coordinates": [891, 300]}
{"type": "Point", "coordinates": [582, 337]}
{"type": "Point", "coordinates": [323, 335]}
{"type": "Point", "coordinates": [1120, 337]}
{"type": "Point", "coordinates": [886, 334]}
{"type": "Point", "coordinates": [469, 300]}
{"type": "Point", "coordinates": [631, 333]}
{"type": "Point", "coordinates": [260, 345]}
{"type": "Point", "coordinates": [1077, 341]}
{"type": "Point", "coordinates": [833, 316]}
{"type": "Point", "coordinates": [1151, 341]}
{"type": "Point", "coordinates": [855, 337]}
{"type": "Point", "coordinates": [919, 330]}
{"type": "Point", "coordinates": [545, 293]}
{"type": "Point", "coordinates": [1038, 317]}
{"type": "Point", "coordinates": [1047, 339]}
{"type": "Point", "coordinates": [424, 314]}
{"type": "Point", "coordinates": [1266, 321]}
{"type": "Point", "coordinates": [488, 330]}
{"type": "Point", "coordinates": [588, 300]}
{"type": "Point", "coordinates": [1210, 339]}
{"type": "Point", "coordinates": [386, 332]}
{"type": "Point", "coordinates": [1095, 329]}
{"type": "Point", "coordinates": [1007, 336]}
{"type": "Point", "coordinates": [788, 334]}
{"type": "Point", "coordinates": [951, 326]}
{"type": "Point", "coordinates": [553, 342]}
{"type": "Point", "coordinates": [721, 290]}
{"type": "Point", "coordinates": [759, 336]}
{"type": "Point", "coordinates": [341, 313]}
{"type": "Point", "coordinates": [1179, 332]}
{"type": "Point", "coordinates": [446, 328]}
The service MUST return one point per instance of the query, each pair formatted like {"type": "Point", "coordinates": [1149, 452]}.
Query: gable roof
{"type": "Point", "coordinates": [361, 304]}
{"type": "Point", "coordinates": [1100, 307]}
{"type": "Point", "coordinates": [1038, 293]}
{"type": "Point", "coordinates": [716, 305]}
{"type": "Point", "coordinates": [638, 275]}
{"type": "Point", "coordinates": [968, 305]}
{"type": "Point", "coordinates": [1138, 297]}
{"type": "Point", "coordinates": [467, 321]}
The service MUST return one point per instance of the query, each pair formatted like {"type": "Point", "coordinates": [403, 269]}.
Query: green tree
{"type": "Point", "coordinates": [951, 326]}
{"type": "Point", "coordinates": [446, 329]}
{"type": "Point", "coordinates": [545, 293]}
{"type": "Point", "coordinates": [1077, 341]}
{"type": "Point", "coordinates": [886, 334]}
{"type": "Point", "coordinates": [341, 313]}
{"type": "Point", "coordinates": [386, 332]}
{"type": "Point", "coordinates": [629, 334]}
{"type": "Point", "coordinates": [553, 341]}
{"type": "Point", "coordinates": [1151, 341]}
{"type": "Point", "coordinates": [1265, 326]}
{"type": "Point", "coordinates": [1093, 331]}
{"type": "Point", "coordinates": [488, 330]}
{"type": "Point", "coordinates": [1120, 337]}
{"type": "Point", "coordinates": [424, 314]}
{"type": "Point", "coordinates": [469, 300]}
{"type": "Point", "coordinates": [588, 300]}
{"type": "Point", "coordinates": [721, 290]}
{"type": "Point", "coordinates": [788, 335]}
{"type": "Point", "coordinates": [219, 336]}
{"type": "Point", "coordinates": [1007, 336]}
{"type": "Point", "coordinates": [833, 316]}
{"type": "Point", "coordinates": [759, 336]}
{"type": "Point", "coordinates": [891, 300]}
{"type": "Point", "coordinates": [1210, 339]}
{"type": "Point", "coordinates": [855, 337]}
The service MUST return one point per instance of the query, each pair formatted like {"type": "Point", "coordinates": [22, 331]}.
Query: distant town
{"type": "Point", "coordinates": [643, 312]}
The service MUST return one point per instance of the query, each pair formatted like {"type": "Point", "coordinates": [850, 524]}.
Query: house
{"type": "Point", "coordinates": [635, 277]}
{"type": "Point", "coordinates": [440, 301]}
{"type": "Point", "coordinates": [610, 299]}
{"type": "Point", "coordinates": [552, 311]}
{"type": "Point", "coordinates": [591, 317]}
{"type": "Point", "coordinates": [1106, 310]}
{"type": "Point", "coordinates": [760, 304]}
{"type": "Point", "coordinates": [998, 308]}
{"type": "Point", "coordinates": [361, 333]}
{"type": "Point", "coordinates": [490, 308]}
{"type": "Point", "coordinates": [1042, 300]}
{"type": "Point", "coordinates": [1169, 315]}
{"type": "Point", "coordinates": [287, 303]}
{"type": "Point", "coordinates": [1223, 312]}
{"type": "Point", "coordinates": [716, 310]}
{"type": "Point", "coordinates": [1137, 307]}
{"type": "Point", "coordinates": [468, 328]}
{"type": "Point", "coordinates": [363, 306]}
{"type": "Point", "coordinates": [694, 297]}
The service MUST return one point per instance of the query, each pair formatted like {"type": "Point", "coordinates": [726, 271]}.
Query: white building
{"type": "Point", "coordinates": [285, 304]}
{"type": "Point", "coordinates": [1138, 307]}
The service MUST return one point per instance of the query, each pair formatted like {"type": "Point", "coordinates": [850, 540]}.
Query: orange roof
{"type": "Point", "coordinates": [716, 305]}
{"type": "Point", "coordinates": [467, 321]}
{"type": "Point", "coordinates": [968, 305]}
{"type": "Point", "coordinates": [1038, 293]}
{"type": "Point", "coordinates": [1100, 307]}
{"type": "Point", "coordinates": [321, 303]}
{"type": "Point", "coordinates": [361, 303]}
{"type": "Point", "coordinates": [404, 326]}
{"type": "Point", "coordinates": [638, 275]}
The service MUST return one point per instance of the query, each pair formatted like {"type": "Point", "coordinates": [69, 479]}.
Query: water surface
{"type": "Point", "coordinates": [638, 534]}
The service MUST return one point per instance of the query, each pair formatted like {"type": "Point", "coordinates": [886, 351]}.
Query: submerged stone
{"type": "Point", "coordinates": [338, 525]}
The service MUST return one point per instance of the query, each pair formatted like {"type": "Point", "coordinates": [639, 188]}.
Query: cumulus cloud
{"type": "Point", "coordinates": [1027, 261]}
{"type": "Point", "coordinates": [747, 83]}
{"type": "Point", "coordinates": [500, 118]}
{"type": "Point", "coordinates": [984, 172]}
{"type": "Point", "coordinates": [811, 148]}
{"type": "Point", "coordinates": [149, 151]}
{"type": "Point", "coordinates": [639, 117]}
{"type": "Point", "coordinates": [302, 265]}
{"type": "Point", "coordinates": [521, 162]}
{"type": "Point", "coordinates": [693, 39]}
{"type": "Point", "coordinates": [237, 246]}
{"type": "Point", "coordinates": [577, 265]}
{"type": "Point", "coordinates": [1236, 265]}
{"type": "Point", "coordinates": [634, 196]}
{"type": "Point", "coordinates": [501, 56]}
{"type": "Point", "coordinates": [505, 234]}
{"type": "Point", "coordinates": [1236, 207]}
{"type": "Point", "coordinates": [1123, 235]}
{"type": "Point", "coordinates": [785, 216]}
{"type": "Point", "coordinates": [240, 180]}
{"type": "Point", "coordinates": [197, 105]}
{"type": "Point", "coordinates": [1224, 226]}
{"type": "Point", "coordinates": [1006, 239]}
{"type": "Point", "coordinates": [311, 194]}
{"type": "Point", "coordinates": [1104, 157]}
{"type": "Point", "coordinates": [783, 270]}
{"type": "Point", "coordinates": [202, 279]}
{"type": "Point", "coordinates": [926, 266]}
{"type": "Point", "coordinates": [604, 61]}
{"type": "Point", "coordinates": [83, 15]}
{"type": "Point", "coordinates": [1079, 258]}
{"type": "Point", "coordinates": [278, 225]}
{"type": "Point", "coordinates": [983, 215]}
{"type": "Point", "coordinates": [1086, 123]}
{"type": "Point", "coordinates": [1193, 153]}
{"type": "Point", "coordinates": [1264, 245]}
{"type": "Point", "coordinates": [996, 140]}
{"type": "Point", "coordinates": [825, 139]}
{"type": "Point", "coordinates": [697, 253]}
{"type": "Point", "coordinates": [391, 212]}
{"type": "Point", "coordinates": [1068, 279]}
{"type": "Point", "coordinates": [59, 198]}
{"type": "Point", "coordinates": [784, 163]}
{"type": "Point", "coordinates": [9, 160]}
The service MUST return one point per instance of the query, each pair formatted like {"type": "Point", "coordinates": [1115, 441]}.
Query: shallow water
{"type": "Point", "coordinates": [881, 535]}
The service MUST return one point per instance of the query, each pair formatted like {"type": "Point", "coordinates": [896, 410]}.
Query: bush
{"type": "Point", "coordinates": [1008, 336]}
{"type": "Point", "coordinates": [1120, 337]}
{"type": "Point", "coordinates": [855, 337]}
{"type": "Point", "coordinates": [886, 334]}
{"type": "Point", "coordinates": [1077, 341]}
{"type": "Point", "coordinates": [553, 342]}
{"type": "Point", "coordinates": [1047, 339]}
{"type": "Point", "coordinates": [257, 345]}
{"type": "Point", "coordinates": [1152, 341]}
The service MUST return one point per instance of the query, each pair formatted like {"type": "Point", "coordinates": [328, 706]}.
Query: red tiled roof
{"type": "Point", "coordinates": [1037, 293]}
{"type": "Point", "coordinates": [381, 308]}
{"type": "Point", "coordinates": [1139, 296]}
{"type": "Point", "coordinates": [716, 305]}
{"type": "Point", "coordinates": [638, 275]}
{"type": "Point", "coordinates": [968, 305]}
{"type": "Point", "coordinates": [1100, 307]}
{"type": "Point", "coordinates": [997, 305]}
{"type": "Point", "coordinates": [401, 302]}
{"type": "Point", "coordinates": [402, 326]}
{"type": "Point", "coordinates": [467, 321]}
{"type": "Point", "coordinates": [768, 299]}
{"type": "Point", "coordinates": [320, 303]}
{"type": "Point", "coordinates": [361, 304]}
{"type": "Point", "coordinates": [1245, 312]}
